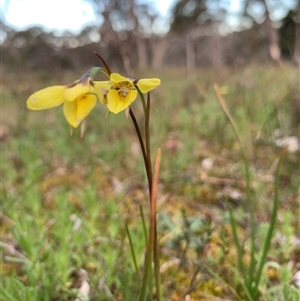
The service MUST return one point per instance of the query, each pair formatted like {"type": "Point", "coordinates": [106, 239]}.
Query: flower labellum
{"type": "Point", "coordinates": [124, 91]}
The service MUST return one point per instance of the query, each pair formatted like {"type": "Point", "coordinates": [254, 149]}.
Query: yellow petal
{"type": "Point", "coordinates": [116, 103]}
{"type": "Point", "coordinates": [147, 84]}
{"type": "Point", "coordinates": [70, 113]}
{"type": "Point", "coordinates": [76, 111]}
{"type": "Point", "coordinates": [116, 78]}
{"type": "Point", "coordinates": [46, 98]}
{"type": "Point", "coordinates": [85, 104]}
{"type": "Point", "coordinates": [76, 91]}
{"type": "Point", "coordinates": [101, 89]}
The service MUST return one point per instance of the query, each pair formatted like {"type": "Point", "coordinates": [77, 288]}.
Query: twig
{"type": "Point", "coordinates": [12, 251]}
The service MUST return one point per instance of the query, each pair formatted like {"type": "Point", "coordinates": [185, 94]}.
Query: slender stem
{"type": "Point", "coordinates": [153, 215]}
{"type": "Point", "coordinates": [104, 72]}
{"type": "Point", "coordinates": [238, 246]}
{"type": "Point", "coordinates": [152, 189]}
{"type": "Point", "coordinates": [144, 224]}
{"type": "Point", "coordinates": [146, 244]}
{"type": "Point", "coordinates": [138, 132]}
{"type": "Point", "coordinates": [132, 249]}
{"type": "Point", "coordinates": [152, 246]}
{"type": "Point", "coordinates": [248, 192]}
{"type": "Point", "coordinates": [147, 269]}
{"type": "Point", "coordinates": [250, 276]}
{"type": "Point", "coordinates": [148, 255]}
{"type": "Point", "coordinates": [267, 241]}
{"type": "Point", "coordinates": [148, 146]}
{"type": "Point", "coordinates": [148, 165]}
{"type": "Point", "coordinates": [142, 99]}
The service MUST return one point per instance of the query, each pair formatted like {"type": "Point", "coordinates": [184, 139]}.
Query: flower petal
{"type": "Point", "coordinates": [101, 89]}
{"type": "Point", "coordinates": [77, 90]}
{"type": "Point", "coordinates": [116, 103]}
{"type": "Point", "coordinates": [147, 84]}
{"type": "Point", "coordinates": [116, 78]}
{"type": "Point", "coordinates": [85, 104]}
{"type": "Point", "coordinates": [70, 113]}
{"type": "Point", "coordinates": [76, 111]}
{"type": "Point", "coordinates": [46, 98]}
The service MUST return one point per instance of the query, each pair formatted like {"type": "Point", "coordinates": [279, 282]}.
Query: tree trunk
{"type": "Point", "coordinates": [124, 52]}
{"type": "Point", "coordinates": [142, 52]}
{"type": "Point", "coordinates": [273, 36]}
{"type": "Point", "coordinates": [190, 52]}
{"type": "Point", "coordinates": [216, 54]}
{"type": "Point", "coordinates": [159, 47]}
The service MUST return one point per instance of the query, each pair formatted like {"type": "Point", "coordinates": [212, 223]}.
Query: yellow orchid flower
{"type": "Point", "coordinates": [123, 91]}
{"type": "Point", "coordinates": [78, 98]}
{"type": "Point", "coordinates": [81, 98]}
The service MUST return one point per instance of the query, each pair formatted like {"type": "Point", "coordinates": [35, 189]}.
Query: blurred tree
{"type": "Point", "coordinates": [287, 34]}
{"type": "Point", "coordinates": [296, 19]}
{"type": "Point", "coordinates": [191, 18]}
{"type": "Point", "coordinates": [297, 38]}
{"type": "Point", "coordinates": [127, 27]}
{"type": "Point", "coordinates": [265, 11]}
{"type": "Point", "coordinates": [186, 14]}
{"type": "Point", "coordinates": [128, 36]}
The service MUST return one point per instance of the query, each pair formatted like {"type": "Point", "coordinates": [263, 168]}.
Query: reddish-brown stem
{"type": "Point", "coordinates": [104, 63]}
{"type": "Point", "coordinates": [138, 132]}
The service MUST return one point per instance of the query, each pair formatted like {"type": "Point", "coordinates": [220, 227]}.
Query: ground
{"type": "Point", "coordinates": [66, 201]}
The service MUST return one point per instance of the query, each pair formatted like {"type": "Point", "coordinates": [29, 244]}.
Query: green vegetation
{"type": "Point", "coordinates": [66, 202]}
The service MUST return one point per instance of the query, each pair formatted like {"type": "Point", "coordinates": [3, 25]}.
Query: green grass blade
{"type": "Point", "coordinates": [268, 239]}
{"type": "Point", "coordinates": [251, 270]}
{"type": "Point", "coordinates": [236, 242]}
{"type": "Point", "coordinates": [143, 223]}
{"type": "Point", "coordinates": [132, 249]}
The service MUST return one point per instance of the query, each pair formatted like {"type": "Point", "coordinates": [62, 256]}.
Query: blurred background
{"type": "Point", "coordinates": [148, 34]}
